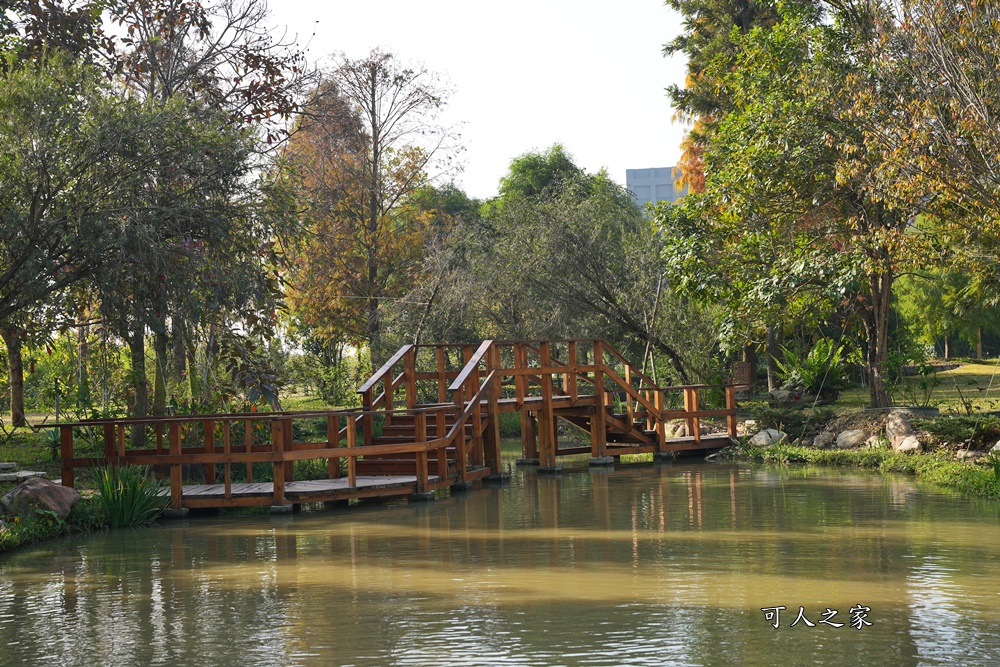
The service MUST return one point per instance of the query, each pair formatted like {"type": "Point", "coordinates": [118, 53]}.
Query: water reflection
{"type": "Point", "coordinates": [654, 564]}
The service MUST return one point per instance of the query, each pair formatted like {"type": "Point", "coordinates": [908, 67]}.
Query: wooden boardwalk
{"type": "Point", "coordinates": [434, 424]}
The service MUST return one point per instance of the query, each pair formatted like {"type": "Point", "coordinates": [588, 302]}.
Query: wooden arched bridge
{"type": "Point", "coordinates": [430, 418]}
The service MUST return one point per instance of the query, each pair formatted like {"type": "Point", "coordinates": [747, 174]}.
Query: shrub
{"type": "Point", "coordinates": [821, 370]}
{"type": "Point", "coordinates": [791, 420]}
{"type": "Point", "coordinates": [129, 498]}
{"type": "Point", "coordinates": [975, 432]}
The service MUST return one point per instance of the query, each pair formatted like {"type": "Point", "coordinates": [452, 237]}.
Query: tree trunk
{"type": "Point", "coordinates": [750, 357]}
{"type": "Point", "coordinates": [774, 339]}
{"type": "Point", "coordinates": [947, 347]}
{"type": "Point", "coordinates": [12, 339]}
{"type": "Point", "coordinates": [979, 343]}
{"type": "Point", "coordinates": [177, 339]}
{"type": "Point", "coordinates": [140, 407]}
{"type": "Point", "coordinates": [375, 351]}
{"type": "Point", "coordinates": [877, 329]}
{"type": "Point", "coordinates": [160, 373]}
{"type": "Point", "coordinates": [82, 377]}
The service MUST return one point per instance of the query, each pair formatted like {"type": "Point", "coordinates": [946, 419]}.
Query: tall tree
{"type": "Point", "coordinates": [381, 116]}
{"type": "Point", "coordinates": [802, 186]}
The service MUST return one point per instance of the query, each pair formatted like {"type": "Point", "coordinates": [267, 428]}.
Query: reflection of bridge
{"type": "Point", "coordinates": [436, 423]}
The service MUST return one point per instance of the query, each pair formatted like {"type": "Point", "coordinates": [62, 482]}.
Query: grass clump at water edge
{"type": "Point", "coordinates": [980, 480]}
{"type": "Point", "coordinates": [129, 497]}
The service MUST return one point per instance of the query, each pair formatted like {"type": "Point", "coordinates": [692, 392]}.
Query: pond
{"type": "Point", "coordinates": [645, 564]}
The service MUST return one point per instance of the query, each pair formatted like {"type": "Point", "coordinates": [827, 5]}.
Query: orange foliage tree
{"type": "Point", "coordinates": [368, 143]}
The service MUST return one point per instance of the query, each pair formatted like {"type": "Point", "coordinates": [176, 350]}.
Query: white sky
{"type": "Point", "coordinates": [589, 74]}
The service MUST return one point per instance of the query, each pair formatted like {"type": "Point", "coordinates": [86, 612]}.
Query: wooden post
{"type": "Point", "coordinates": [352, 442]}
{"type": "Point", "coordinates": [573, 391]}
{"type": "Point", "coordinates": [420, 435]}
{"type": "Point", "coordinates": [442, 380]}
{"type": "Point", "coordinates": [477, 422]}
{"type": "Point", "coordinates": [661, 425]}
{"type": "Point", "coordinates": [333, 442]}
{"type": "Point", "coordinates": [278, 447]}
{"type": "Point", "coordinates": [367, 425]}
{"type": "Point", "coordinates": [548, 443]}
{"type": "Point", "coordinates": [209, 427]}
{"type": "Point", "coordinates": [121, 441]}
{"type": "Point", "coordinates": [629, 404]}
{"type": "Point", "coordinates": [598, 425]}
{"type": "Point", "coordinates": [176, 473]}
{"type": "Point", "coordinates": [493, 414]}
{"type": "Point", "coordinates": [289, 465]}
{"type": "Point", "coordinates": [691, 406]}
{"type": "Point", "coordinates": [441, 429]}
{"type": "Point", "coordinates": [66, 452]}
{"type": "Point", "coordinates": [227, 476]}
{"type": "Point", "coordinates": [731, 410]}
{"type": "Point", "coordinates": [109, 440]}
{"type": "Point", "coordinates": [410, 376]}
{"type": "Point", "coordinates": [389, 401]}
{"type": "Point", "coordinates": [461, 462]}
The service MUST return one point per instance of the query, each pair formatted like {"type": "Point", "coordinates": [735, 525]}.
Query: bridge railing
{"type": "Point", "coordinates": [229, 445]}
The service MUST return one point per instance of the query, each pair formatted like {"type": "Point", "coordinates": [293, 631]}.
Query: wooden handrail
{"type": "Point", "coordinates": [471, 366]}
{"type": "Point", "coordinates": [618, 355]}
{"type": "Point", "coordinates": [386, 367]}
{"type": "Point", "coordinates": [472, 405]}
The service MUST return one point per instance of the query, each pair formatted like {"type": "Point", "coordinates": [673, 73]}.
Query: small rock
{"type": "Point", "coordinates": [909, 444]}
{"type": "Point", "coordinates": [767, 437]}
{"type": "Point", "coordinates": [806, 442]}
{"type": "Point", "coordinates": [851, 439]}
{"type": "Point", "coordinates": [875, 442]}
{"type": "Point", "coordinates": [898, 427]}
{"type": "Point", "coordinates": [967, 455]}
{"type": "Point", "coordinates": [823, 440]}
{"type": "Point", "coordinates": [38, 493]}
{"type": "Point", "coordinates": [8, 466]}
{"type": "Point", "coordinates": [996, 448]}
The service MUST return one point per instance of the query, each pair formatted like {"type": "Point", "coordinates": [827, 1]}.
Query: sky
{"type": "Point", "coordinates": [589, 74]}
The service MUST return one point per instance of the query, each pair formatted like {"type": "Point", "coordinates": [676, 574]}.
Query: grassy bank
{"type": "Point", "coordinates": [978, 480]}
{"type": "Point", "coordinates": [87, 516]}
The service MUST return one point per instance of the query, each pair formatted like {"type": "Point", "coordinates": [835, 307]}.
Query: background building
{"type": "Point", "coordinates": [653, 185]}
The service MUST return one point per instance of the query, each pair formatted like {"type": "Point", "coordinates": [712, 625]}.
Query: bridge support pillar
{"type": "Point", "coordinates": [663, 457]}
{"type": "Point", "coordinates": [176, 513]}
{"type": "Point", "coordinates": [462, 487]}
{"type": "Point", "coordinates": [526, 462]}
{"type": "Point", "coordinates": [498, 478]}
{"type": "Point", "coordinates": [422, 496]}
{"type": "Point", "coordinates": [550, 470]}
{"type": "Point", "coordinates": [601, 461]}
{"type": "Point", "coordinates": [280, 509]}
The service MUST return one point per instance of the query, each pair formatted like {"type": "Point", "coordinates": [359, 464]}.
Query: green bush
{"type": "Point", "coordinates": [129, 497]}
{"type": "Point", "coordinates": [821, 370]}
{"type": "Point", "coordinates": [87, 515]}
{"type": "Point", "coordinates": [972, 431]}
{"type": "Point", "coordinates": [791, 420]}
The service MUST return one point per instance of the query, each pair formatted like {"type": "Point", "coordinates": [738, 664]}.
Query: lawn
{"type": "Point", "coordinates": [972, 387]}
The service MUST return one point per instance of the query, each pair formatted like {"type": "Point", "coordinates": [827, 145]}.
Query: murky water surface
{"type": "Point", "coordinates": [642, 565]}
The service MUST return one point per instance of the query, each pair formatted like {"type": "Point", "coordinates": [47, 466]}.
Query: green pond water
{"type": "Point", "coordinates": [646, 564]}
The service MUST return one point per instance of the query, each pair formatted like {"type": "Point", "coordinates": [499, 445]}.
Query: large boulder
{"type": "Point", "coordinates": [909, 444]}
{"type": "Point", "coordinates": [38, 493]}
{"type": "Point", "coordinates": [823, 440]}
{"type": "Point", "coordinates": [898, 427]}
{"type": "Point", "coordinates": [767, 437]}
{"type": "Point", "coordinates": [851, 439]}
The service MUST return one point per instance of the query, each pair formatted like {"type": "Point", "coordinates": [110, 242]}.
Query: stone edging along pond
{"type": "Point", "coordinates": [956, 452]}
